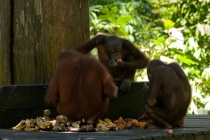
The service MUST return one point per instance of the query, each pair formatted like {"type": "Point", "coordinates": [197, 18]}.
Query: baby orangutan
{"type": "Point", "coordinates": [80, 87]}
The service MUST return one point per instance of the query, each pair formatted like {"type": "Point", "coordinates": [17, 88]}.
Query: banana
{"type": "Point", "coordinates": [46, 113]}
{"type": "Point", "coordinates": [20, 126]}
{"type": "Point", "coordinates": [28, 123]}
{"type": "Point", "coordinates": [102, 127]}
{"type": "Point", "coordinates": [46, 118]}
{"type": "Point", "coordinates": [38, 119]}
{"type": "Point", "coordinates": [33, 123]}
{"type": "Point", "coordinates": [54, 122]}
{"type": "Point", "coordinates": [44, 124]}
{"type": "Point", "coordinates": [75, 125]}
{"type": "Point", "coordinates": [60, 127]}
{"type": "Point", "coordinates": [134, 122]}
{"type": "Point", "coordinates": [36, 128]}
{"type": "Point", "coordinates": [102, 122]}
{"type": "Point", "coordinates": [107, 120]}
{"type": "Point", "coordinates": [61, 118]}
{"type": "Point", "coordinates": [29, 129]}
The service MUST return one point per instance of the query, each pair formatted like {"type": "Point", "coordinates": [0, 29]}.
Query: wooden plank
{"type": "Point", "coordinates": [20, 102]}
{"type": "Point", "coordinates": [206, 135]}
{"type": "Point", "coordinates": [5, 42]}
{"type": "Point", "coordinates": [197, 136]}
{"type": "Point", "coordinates": [27, 101]}
{"type": "Point", "coordinates": [126, 104]}
{"type": "Point", "coordinates": [66, 24]}
{"type": "Point", "coordinates": [187, 136]}
{"type": "Point", "coordinates": [168, 137]}
{"type": "Point", "coordinates": [28, 49]}
{"type": "Point", "coordinates": [178, 136]}
{"type": "Point", "coordinates": [42, 30]}
{"type": "Point", "coordinates": [20, 97]}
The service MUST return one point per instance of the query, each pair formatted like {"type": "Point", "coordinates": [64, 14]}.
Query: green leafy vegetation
{"type": "Point", "coordinates": [170, 30]}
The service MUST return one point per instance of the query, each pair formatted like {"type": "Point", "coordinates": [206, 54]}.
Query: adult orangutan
{"type": "Point", "coordinates": [168, 95]}
{"type": "Point", "coordinates": [80, 87]}
{"type": "Point", "coordinates": [119, 56]}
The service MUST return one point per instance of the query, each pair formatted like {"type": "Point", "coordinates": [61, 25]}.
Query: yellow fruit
{"type": "Point", "coordinates": [120, 120]}
{"type": "Point", "coordinates": [119, 60]}
{"type": "Point", "coordinates": [120, 126]}
{"type": "Point", "coordinates": [20, 126]}
{"type": "Point", "coordinates": [142, 124]}
{"type": "Point", "coordinates": [107, 120]}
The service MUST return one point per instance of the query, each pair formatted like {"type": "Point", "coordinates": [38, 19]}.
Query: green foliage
{"type": "Point", "coordinates": [194, 17]}
{"type": "Point", "coordinates": [168, 24]}
{"type": "Point", "coordinates": [123, 18]}
{"type": "Point", "coordinates": [171, 31]}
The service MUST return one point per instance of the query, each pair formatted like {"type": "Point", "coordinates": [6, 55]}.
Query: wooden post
{"type": "Point", "coordinates": [42, 29]}
{"type": "Point", "coordinates": [5, 36]}
{"type": "Point", "coordinates": [66, 24]}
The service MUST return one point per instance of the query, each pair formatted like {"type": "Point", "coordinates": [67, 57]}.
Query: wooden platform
{"type": "Point", "coordinates": [19, 102]}
{"type": "Point", "coordinates": [27, 101]}
{"type": "Point", "coordinates": [197, 127]}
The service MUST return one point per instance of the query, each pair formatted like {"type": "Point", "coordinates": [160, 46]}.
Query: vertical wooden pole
{"type": "Point", "coordinates": [28, 47]}
{"type": "Point", "coordinates": [42, 30]}
{"type": "Point", "coordinates": [5, 33]}
{"type": "Point", "coordinates": [66, 24]}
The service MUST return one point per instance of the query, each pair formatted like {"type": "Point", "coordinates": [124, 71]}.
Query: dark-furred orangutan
{"type": "Point", "coordinates": [119, 56]}
{"type": "Point", "coordinates": [167, 97]}
{"type": "Point", "coordinates": [80, 87]}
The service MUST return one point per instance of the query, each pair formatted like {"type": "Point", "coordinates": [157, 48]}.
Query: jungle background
{"type": "Point", "coordinates": [170, 30]}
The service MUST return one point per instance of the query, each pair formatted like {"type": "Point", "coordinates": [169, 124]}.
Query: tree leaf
{"type": "Point", "coordinates": [105, 10]}
{"type": "Point", "coordinates": [168, 24]}
{"type": "Point", "coordinates": [123, 19]}
{"type": "Point", "coordinates": [160, 41]}
{"type": "Point", "coordinates": [121, 31]}
{"type": "Point", "coordinates": [110, 18]}
{"type": "Point", "coordinates": [108, 15]}
{"type": "Point", "coordinates": [114, 10]}
{"type": "Point", "coordinates": [185, 60]}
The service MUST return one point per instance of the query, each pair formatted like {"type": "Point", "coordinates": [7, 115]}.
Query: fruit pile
{"type": "Point", "coordinates": [61, 123]}
{"type": "Point", "coordinates": [119, 124]}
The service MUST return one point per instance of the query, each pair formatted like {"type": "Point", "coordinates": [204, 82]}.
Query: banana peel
{"type": "Point", "coordinates": [45, 125]}
{"type": "Point", "coordinates": [135, 122]}
{"type": "Point", "coordinates": [106, 125]}
{"type": "Point", "coordinates": [75, 125]}
{"type": "Point", "coordinates": [102, 122]}
{"type": "Point", "coordinates": [102, 127]}
{"type": "Point", "coordinates": [107, 120]}
{"type": "Point", "coordinates": [29, 129]}
{"type": "Point", "coordinates": [61, 118]}
{"type": "Point", "coordinates": [58, 127]}
{"type": "Point", "coordinates": [120, 120]}
{"type": "Point", "coordinates": [110, 123]}
{"type": "Point", "coordinates": [142, 124]}
{"type": "Point", "coordinates": [20, 126]}
{"type": "Point", "coordinates": [30, 123]}
{"type": "Point", "coordinates": [46, 118]}
{"type": "Point", "coordinates": [120, 126]}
